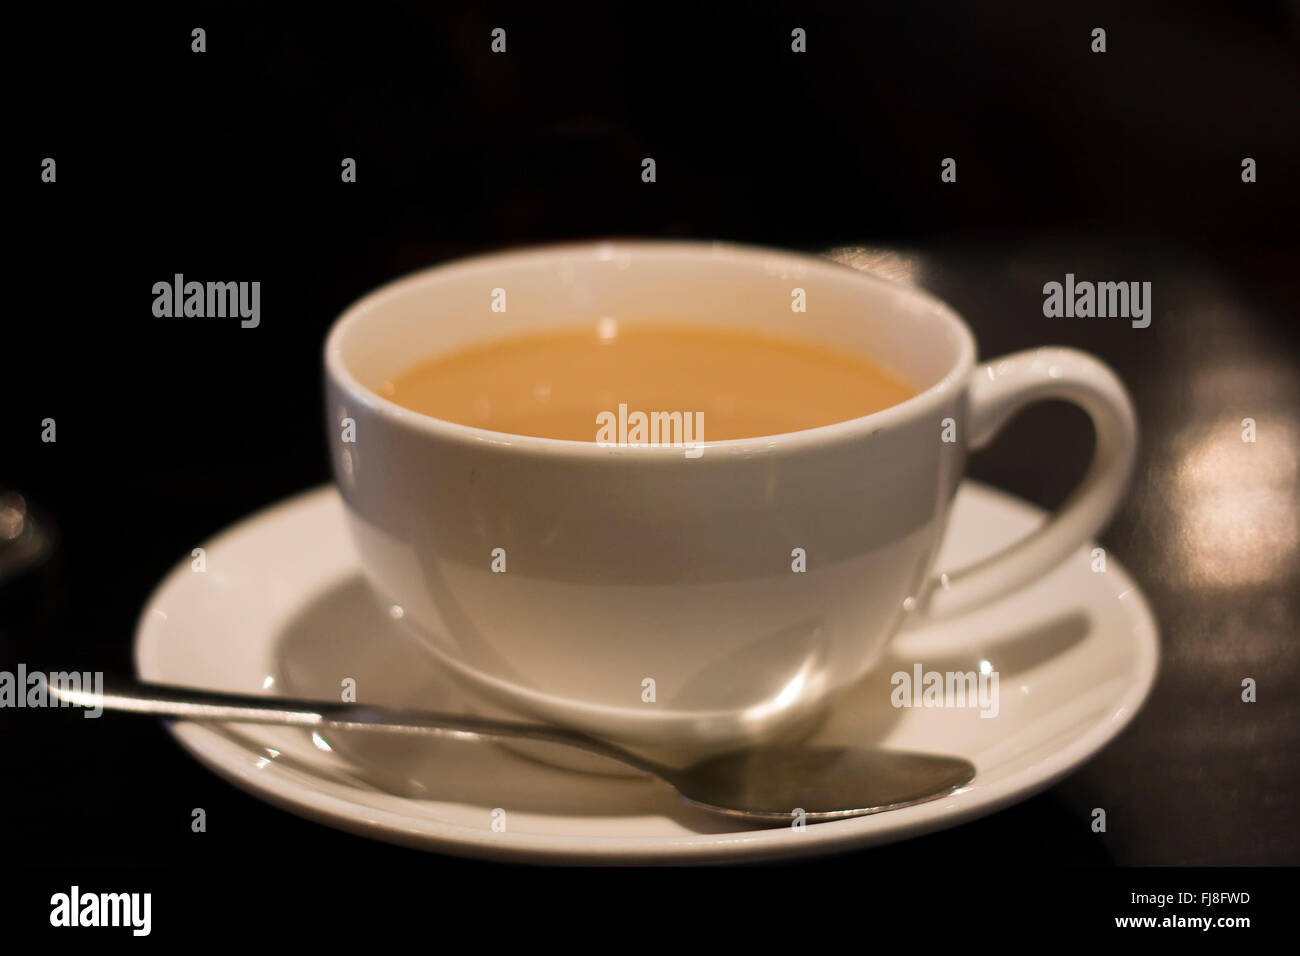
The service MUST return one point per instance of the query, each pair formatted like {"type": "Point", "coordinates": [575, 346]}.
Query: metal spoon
{"type": "Point", "coordinates": [766, 783]}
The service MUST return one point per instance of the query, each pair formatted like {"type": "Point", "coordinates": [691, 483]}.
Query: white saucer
{"type": "Point", "coordinates": [281, 606]}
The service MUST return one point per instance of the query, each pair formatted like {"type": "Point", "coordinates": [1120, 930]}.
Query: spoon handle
{"type": "Point", "coordinates": [218, 706]}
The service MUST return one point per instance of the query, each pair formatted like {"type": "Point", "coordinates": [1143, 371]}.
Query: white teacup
{"type": "Point", "coordinates": [630, 565]}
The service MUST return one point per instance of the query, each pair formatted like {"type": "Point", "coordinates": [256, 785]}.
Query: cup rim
{"type": "Point", "coordinates": [929, 399]}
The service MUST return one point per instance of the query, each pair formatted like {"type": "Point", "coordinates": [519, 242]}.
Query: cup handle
{"type": "Point", "coordinates": [1001, 388]}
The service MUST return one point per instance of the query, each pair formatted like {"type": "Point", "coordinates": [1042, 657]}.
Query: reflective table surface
{"type": "Point", "coordinates": [1209, 528]}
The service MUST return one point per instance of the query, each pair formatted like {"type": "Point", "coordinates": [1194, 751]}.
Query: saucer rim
{"type": "Point", "coordinates": [230, 760]}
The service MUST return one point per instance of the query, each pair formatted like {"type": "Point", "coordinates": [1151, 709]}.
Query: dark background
{"type": "Point", "coordinates": [1124, 165]}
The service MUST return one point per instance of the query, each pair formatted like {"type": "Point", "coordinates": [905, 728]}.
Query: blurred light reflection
{"type": "Point", "coordinates": [886, 263]}
{"type": "Point", "coordinates": [1235, 504]}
